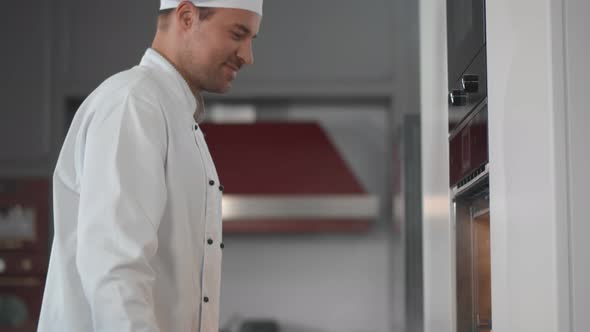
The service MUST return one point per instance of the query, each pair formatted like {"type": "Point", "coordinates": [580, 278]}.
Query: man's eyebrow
{"type": "Point", "coordinates": [244, 29]}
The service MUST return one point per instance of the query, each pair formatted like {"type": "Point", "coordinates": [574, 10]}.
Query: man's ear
{"type": "Point", "coordinates": [186, 13]}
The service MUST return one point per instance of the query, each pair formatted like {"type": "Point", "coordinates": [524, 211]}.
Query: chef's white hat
{"type": "Point", "coordinates": [251, 5]}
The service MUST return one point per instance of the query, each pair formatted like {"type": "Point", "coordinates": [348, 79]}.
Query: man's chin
{"type": "Point", "coordinates": [220, 89]}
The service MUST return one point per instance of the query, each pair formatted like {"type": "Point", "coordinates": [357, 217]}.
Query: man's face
{"type": "Point", "coordinates": [216, 48]}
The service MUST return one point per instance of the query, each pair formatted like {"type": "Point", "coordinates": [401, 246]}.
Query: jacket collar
{"type": "Point", "coordinates": [153, 59]}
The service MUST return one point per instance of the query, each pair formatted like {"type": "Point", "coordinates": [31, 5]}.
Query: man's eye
{"type": "Point", "coordinates": [237, 36]}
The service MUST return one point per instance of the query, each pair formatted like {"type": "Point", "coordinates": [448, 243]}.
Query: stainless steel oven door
{"type": "Point", "coordinates": [473, 256]}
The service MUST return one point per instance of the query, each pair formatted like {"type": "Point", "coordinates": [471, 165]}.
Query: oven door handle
{"type": "Point", "coordinates": [484, 323]}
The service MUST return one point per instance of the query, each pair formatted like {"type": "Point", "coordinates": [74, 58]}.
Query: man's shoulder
{"type": "Point", "coordinates": [135, 82]}
{"type": "Point", "coordinates": [134, 86]}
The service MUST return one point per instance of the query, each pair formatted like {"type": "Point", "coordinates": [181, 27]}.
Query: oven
{"type": "Point", "coordinates": [469, 163]}
{"type": "Point", "coordinates": [473, 257]}
{"type": "Point", "coordinates": [469, 179]}
{"type": "Point", "coordinates": [465, 35]}
{"type": "Point", "coordinates": [24, 251]}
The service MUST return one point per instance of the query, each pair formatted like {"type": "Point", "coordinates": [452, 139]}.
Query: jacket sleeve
{"type": "Point", "coordinates": [122, 200]}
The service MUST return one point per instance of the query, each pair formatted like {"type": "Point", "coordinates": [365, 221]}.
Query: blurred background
{"type": "Point", "coordinates": [346, 112]}
{"type": "Point", "coordinates": [325, 73]}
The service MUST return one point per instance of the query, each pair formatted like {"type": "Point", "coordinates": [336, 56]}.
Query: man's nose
{"type": "Point", "coordinates": [245, 53]}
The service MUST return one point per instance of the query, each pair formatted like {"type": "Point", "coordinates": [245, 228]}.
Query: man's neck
{"type": "Point", "coordinates": [195, 90]}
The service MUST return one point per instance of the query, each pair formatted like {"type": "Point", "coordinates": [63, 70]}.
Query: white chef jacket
{"type": "Point", "coordinates": [137, 212]}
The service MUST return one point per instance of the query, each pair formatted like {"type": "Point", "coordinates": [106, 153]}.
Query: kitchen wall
{"type": "Point", "coordinates": [316, 283]}
{"type": "Point", "coordinates": [322, 282]}
{"type": "Point", "coordinates": [26, 88]}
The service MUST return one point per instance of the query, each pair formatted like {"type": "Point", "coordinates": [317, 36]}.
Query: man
{"type": "Point", "coordinates": [137, 200]}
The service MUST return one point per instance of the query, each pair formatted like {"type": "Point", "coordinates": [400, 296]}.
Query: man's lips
{"type": "Point", "coordinates": [233, 69]}
{"type": "Point", "coordinates": [232, 66]}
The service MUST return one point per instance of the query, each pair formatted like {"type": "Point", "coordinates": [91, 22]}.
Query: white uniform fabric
{"type": "Point", "coordinates": [251, 5]}
{"type": "Point", "coordinates": [137, 206]}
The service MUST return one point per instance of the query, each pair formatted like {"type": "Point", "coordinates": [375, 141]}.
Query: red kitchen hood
{"type": "Point", "coordinates": [286, 177]}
